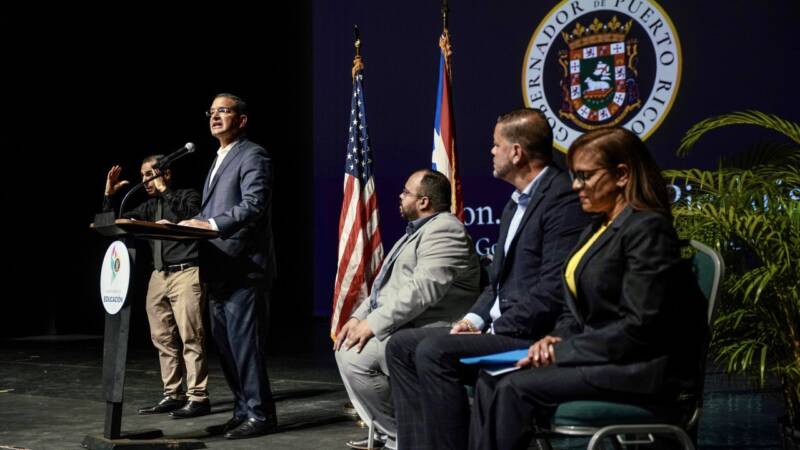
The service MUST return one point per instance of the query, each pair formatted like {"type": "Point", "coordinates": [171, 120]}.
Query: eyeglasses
{"type": "Point", "coordinates": [582, 176]}
{"type": "Point", "coordinates": [406, 193]}
{"type": "Point", "coordinates": [221, 110]}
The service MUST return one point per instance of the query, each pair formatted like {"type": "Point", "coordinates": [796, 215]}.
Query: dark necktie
{"type": "Point", "coordinates": [158, 261]}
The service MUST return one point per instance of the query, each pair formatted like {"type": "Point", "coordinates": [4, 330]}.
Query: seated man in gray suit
{"type": "Point", "coordinates": [429, 278]}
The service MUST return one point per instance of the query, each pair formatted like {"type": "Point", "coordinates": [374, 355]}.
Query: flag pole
{"type": "Point", "coordinates": [360, 249]}
{"type": "Point", "coordinates": [444, 147]}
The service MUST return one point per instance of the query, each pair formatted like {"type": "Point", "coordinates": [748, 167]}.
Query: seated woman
{"type": "Point", "coordinates": [634, 319]}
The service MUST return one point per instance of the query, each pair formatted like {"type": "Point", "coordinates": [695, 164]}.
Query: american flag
{"type": "Point", "coordinates": [444, 136]}
{"type": "Point", "coordinates": [360, 246]}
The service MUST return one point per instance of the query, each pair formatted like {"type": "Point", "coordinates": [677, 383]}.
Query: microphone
{"type": "Point", "coordinates": [168, 160]}
{"type": "Point", "coordinates": [162, 164]}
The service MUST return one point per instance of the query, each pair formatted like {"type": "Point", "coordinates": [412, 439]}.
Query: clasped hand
{"type": "Point", "coordinates": [541, 353]}
{"type": "Point", "coordinates": [464, 326]}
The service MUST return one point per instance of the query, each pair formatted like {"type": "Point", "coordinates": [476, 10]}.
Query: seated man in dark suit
{"type": "Point", "coordinates": [539, 226]}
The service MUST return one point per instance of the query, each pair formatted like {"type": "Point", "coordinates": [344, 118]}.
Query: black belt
{"type": "Point", "coordinates": [178, 267]}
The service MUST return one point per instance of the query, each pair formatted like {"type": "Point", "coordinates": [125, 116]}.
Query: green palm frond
{"type": "Point", "coordinates": [763, 154]}
{"type": "Point", "coordinates": [770, 121]}
{"type": "Point", "coordinates": [749, 210]}
{"type": "Point", "coordinates": [770, 180]}
{"type": "Point", "coordinates": [741, 356]}
{"type": "Point", "coordinates": [784, 173]}
{"type": "Point", "coordinates": [755, 282]}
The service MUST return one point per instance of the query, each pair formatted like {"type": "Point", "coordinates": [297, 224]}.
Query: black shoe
{"type": "Point", "coordinates": [251, 428]}
{"type": "Point", "coordinates": [192, 409]}
{"type": "Point", "coordinates": [234, 422]}
{"type": "Point", "coordinates": [166, 404]}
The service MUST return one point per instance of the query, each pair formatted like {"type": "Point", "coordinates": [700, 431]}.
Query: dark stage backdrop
{"type": "Point", "coordinates": [698, 59]}
{"type": "Point", "coordinates": [84, 90]}
{"type": "Point", "coordinates": [88, 88]}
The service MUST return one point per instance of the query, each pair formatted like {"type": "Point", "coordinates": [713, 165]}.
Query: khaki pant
{"type": "Point", "coordinates": [174, 307]}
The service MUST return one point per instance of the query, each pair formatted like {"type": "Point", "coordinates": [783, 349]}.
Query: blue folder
{"type": "Point", "coordinates": [497, 359]}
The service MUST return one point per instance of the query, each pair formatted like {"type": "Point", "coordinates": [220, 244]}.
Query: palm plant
{"type": "Point", "coordinates": [749, 209]}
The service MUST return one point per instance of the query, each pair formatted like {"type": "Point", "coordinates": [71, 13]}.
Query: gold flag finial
{"type": "Point", "coordinates": [445, 11]}
{"type": "Point", "coordinates": [357, 64]}
{"type": "Point", "coordinates": [444, 39]}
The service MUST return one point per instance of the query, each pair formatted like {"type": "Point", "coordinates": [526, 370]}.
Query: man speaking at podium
{"type": "Point", "coordinates": [239, 267]}
{"type": "Point", "coordinates": [175, 300]}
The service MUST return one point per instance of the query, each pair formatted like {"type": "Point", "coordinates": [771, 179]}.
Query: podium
{"type": "Point", "coordinates": [117, 327]}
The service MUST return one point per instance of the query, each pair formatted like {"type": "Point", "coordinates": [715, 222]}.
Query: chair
{"type": "Point", "coordinates": [634, 424]}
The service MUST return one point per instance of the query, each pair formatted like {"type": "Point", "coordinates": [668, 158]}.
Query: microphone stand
{"type": "Point", "coordinates": [135, 189]}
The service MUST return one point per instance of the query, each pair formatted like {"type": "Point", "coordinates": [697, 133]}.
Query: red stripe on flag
{"type": "Point", "coordinates": [361, 274]}
{"type": "Point", "coordinates": [447, 129]}
{"type": "Point", "coordinates": [345, 260]}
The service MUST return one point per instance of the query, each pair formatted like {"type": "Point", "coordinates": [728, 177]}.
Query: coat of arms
{"type": "Point", "coordinates": [599, 85]}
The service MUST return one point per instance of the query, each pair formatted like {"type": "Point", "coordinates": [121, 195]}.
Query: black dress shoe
{"type": "Point", "coordinates": [192, 409]}
{"type": "Point", "coordinates": [166, 404]}
{"type": "Point", "coordinates": [234, 422]}
{"type": "Point", "coordinates": [251, 428]}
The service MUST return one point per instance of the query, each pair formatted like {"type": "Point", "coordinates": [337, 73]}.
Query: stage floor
{"type": "Point", "coordinates": [51, 398]}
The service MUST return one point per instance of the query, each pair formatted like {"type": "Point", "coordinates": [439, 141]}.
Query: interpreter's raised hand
{"type": "Point", "coordinates": [159, 183]}
{"type": "Point", "coordinates": [541, 353]}
{"type": "Point", "coordinates": [113, 183]}
{"type": "Point", "coordinates": [343, 333]}
{"type": "Point", "coordinates": [204, 224]}
{"type": "Point", "coordinates": [464, 326]}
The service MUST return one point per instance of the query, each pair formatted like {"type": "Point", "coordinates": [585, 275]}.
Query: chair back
{"type": "Point", "coordinates": [708, 269]}
{"type": "Point", "coordinates": [590, 418]}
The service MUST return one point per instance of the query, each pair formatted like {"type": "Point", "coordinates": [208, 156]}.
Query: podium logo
{"type": "Point", "coordinates": [115, 263]}
{"type": "Point", "coordinates": [600, 63]}
{"type": "Point", "coordinates": [115, 277]}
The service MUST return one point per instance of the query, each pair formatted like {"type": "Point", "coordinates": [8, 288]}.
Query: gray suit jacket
{"type": "Point", "coordinates": [433, 281]}
{"type": "Point", "coordinates": [239, 199]}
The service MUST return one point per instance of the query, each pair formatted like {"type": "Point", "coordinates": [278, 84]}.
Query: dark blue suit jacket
{"type": "Point", "coordinates": [529, 276]}
{"type": "Point", "coordinates": [638, 322]}
{"type": "Point", "coordinates": [239, 199]}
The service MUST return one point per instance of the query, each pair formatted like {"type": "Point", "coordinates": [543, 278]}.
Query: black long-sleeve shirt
{"type": "Point", "coordinates": [177, 205]}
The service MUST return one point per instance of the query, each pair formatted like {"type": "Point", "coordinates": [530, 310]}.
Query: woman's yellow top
{"type": "Point", "coordinates": [569, 274]}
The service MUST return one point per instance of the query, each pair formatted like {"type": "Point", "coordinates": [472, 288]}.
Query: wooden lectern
{"type": "Point", "coordinates": [115, 341]}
